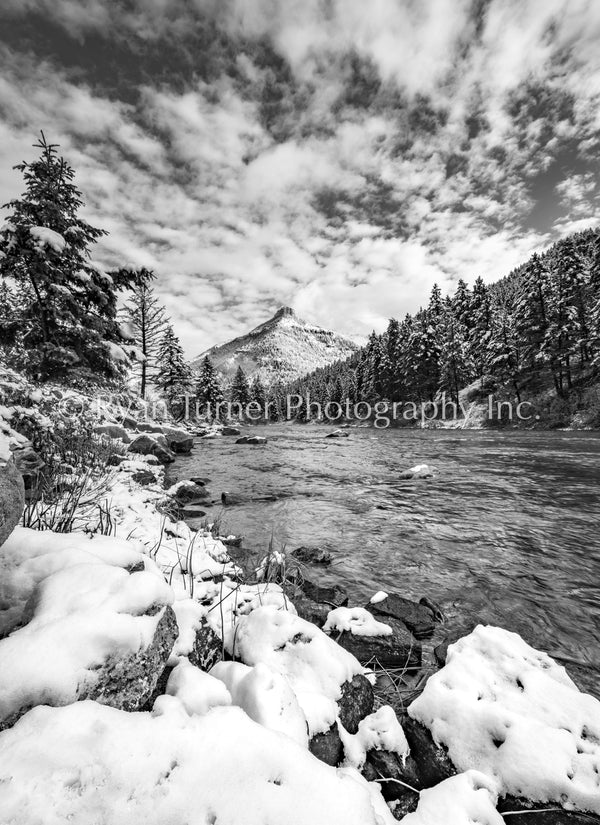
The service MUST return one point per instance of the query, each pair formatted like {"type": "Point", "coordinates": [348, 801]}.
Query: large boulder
{"type": "Point", "coordinates": [12, 495]}
{"type": "Point", "coordinates": [417, 617]}
{"type": "Point", "coordinates": [333, 595]}
{"type": "Point", "coordinates": [148, 444]}
{"type": "Point", "coordinates": [90, 630]}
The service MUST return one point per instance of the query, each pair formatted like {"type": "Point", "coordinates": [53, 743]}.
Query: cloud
{"type": "Point", "coordinates": [334, 155]}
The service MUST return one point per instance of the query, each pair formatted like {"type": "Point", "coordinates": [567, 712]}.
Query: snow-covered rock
{"type": "Point", "coordinates": [467, 799]}
{"type": "Point", "coordinates": [266, 696]}
{"type": "Point", "coordinates": [314, 664]}
{"type": "Point", "coordinates": [88, 763]}
{"type": "Point", "coordinates": [196, 690]}
{"type": "Point", "coordinates": [378, 731]}
{"type": "Point", "coordinates": [357, 621]}
{"type": "Point", "coordinates": [90, 629]}
{"type": "Point", "coordinates": [418, 471]}
{"type": "Point", "coordinates": [510, 711]}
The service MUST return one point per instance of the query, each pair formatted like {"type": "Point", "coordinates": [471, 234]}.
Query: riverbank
{"type": "Point", "coordinates": [136, 629]}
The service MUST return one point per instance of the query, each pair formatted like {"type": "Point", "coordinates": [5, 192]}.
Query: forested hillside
{"type": "Point", "coordinates": [533, 335]}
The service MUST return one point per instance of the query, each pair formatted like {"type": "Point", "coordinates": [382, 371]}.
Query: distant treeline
{"type": "Point", "coordinates": [542, 320]}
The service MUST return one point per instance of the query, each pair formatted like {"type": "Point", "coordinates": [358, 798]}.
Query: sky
{"type": "Point", "coordinates": [336, 156]}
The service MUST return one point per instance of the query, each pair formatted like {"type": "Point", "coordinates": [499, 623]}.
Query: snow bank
{"type": "Point", "coordinates": [90, 763]}
{"type": "Point", "coordinates": [79, 617]}
{"type": "Point", "coordinates": [44, 237]}
{"type": "Point", "coordinates": [378, 731]}
{"type": "Point", "coordinates": [467, 799]}
{"type": "Point", "coordinates": [356, 620]}
{"type": "Point", "coordinates": [266, 696]}
{"type": "Point", "coordinates": [513, 713]}
{"type": "Point", "coordinates": [315, 666]}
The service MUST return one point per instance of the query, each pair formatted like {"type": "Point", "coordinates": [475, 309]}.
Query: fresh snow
{"type": "Point", "coordinates": [315, 666]}
{"type": "Point", "coordinates": [467, 799]}
{"type": "Point", "coordinates": [357, 621]}
{"type": "Point", "coordinates": [89, 763]}
{"type": "Point", "coordinates": [266, 696]}
{"type": "Point", "coordinates": [196, 690]}
{"type": "Point", "coordinates": [44, 237]}
{"type": "Point", "coordinates": [378, 597]}
{"type": "Point", "coordinates": [510, 711]}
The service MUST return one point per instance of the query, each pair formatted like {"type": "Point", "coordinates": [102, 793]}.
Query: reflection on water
{"type": "Point", "coordinates": [507, 533]}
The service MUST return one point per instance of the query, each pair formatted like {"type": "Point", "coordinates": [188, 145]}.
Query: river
{"type": "Point", "coordinates": [507, 533]}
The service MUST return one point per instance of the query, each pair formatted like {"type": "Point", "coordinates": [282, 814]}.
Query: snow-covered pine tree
{"type": "Point", "coordinates": [174, 376]}
{"type": "Point", "coordinates": [456, 369]}
{"type": "Point", "coordinates": [240, 389]}
{"type": "Point", "coordinates": [480, 328]}
{"type": "Point", "coordinates": [208, 388]}
{"type": "Point", "coordinates": [145, 317]}
{"type": "Point", "coordinates": [67, 304]}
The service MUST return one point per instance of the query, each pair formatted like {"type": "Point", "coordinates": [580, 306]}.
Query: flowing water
{"type": "Point", "coordinates": [507, 533]}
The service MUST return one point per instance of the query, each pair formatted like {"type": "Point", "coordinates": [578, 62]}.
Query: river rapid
{"type": "Point", "coordinates": [507, 533]}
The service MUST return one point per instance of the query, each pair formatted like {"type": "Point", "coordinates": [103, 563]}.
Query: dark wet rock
{"type": "Point", "coordinates": [200, 480]}
{"type": "Point", "coordinates": [417, 618]}
{"type": "Point", "coordinates": [433, 764]}
{"type": "Point", "coordinates": [231, 541]}
{"type": "Point", "coordinates": [382, 764]}
{"type": "Point", "coordinates": [143, 477]}
{"type": "Point", "coordinates": [178, 440]}
{"type": "Point", "coordinates": [148, 444]}
{"type": "Point", "coordinates": [27, 461]}
{"type": "Point", "coordinates": [549, 817]}
{"type": "Point", "coordinates": [436, 610]}
{"type": "Point", "coordinates": [441, 652]}
{"type": "Point", "coordinates": [251, 439]}
{"type": "Point", "coordinates": [115, 459]}
{"type": "Point", "coordinates": [208, 648]}
{"type": "Point", "coordinates": [334, 595]}
{"type": "Point", "coordinates": [338, 434]}
{"type": "Point", "coordinates": [310, 610]}
{"type": "Point", "coordinates": [356, 702]}
{"type": "Point", "coordinates": [406, 805]}
{"type": "Point", "coordinates": [12, 498]}
{"type": "Point", "coordinates": [231, 431]}
{"type": "Point", "coordinates": [312, 555]}
{"type": "Point", "coordinates": [327, 746]}
{"type": "Point", "coordinates": [128, 422]}
{"type": "Point", "coordinates": [160, 688]}
{"type": "Point", "coordinates": [190, 511]}
{"type": "Point", "coordinates": [188, 492]}
{"type": "Point", "coordinates": [400, 650]}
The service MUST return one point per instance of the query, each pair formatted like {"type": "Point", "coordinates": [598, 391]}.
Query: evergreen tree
{"type": "Point", "coordinates": [67, 305]}
{"type": "Point", "coordinates": [240, 389]}
{"type": "Point", "coordinates": [173, 377]}
{"type": "Point", "coordinates": [258, 394]}
{"type": "Point", "coordinates": [480, 329]}
{"type": "Point", "coordinates": [208, 388]}
{"type": "Point", "coordinates": [146, 318]}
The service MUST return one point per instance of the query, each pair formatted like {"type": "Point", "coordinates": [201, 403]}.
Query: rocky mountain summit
{"type": "Point", "coordinates": [283, 348]}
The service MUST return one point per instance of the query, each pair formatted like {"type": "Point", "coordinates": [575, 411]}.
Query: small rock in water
{"type": "Point", "coordinates": [312, 555]}
{"type": "Point", "coordinates": [251, 439]}
{"type": "Point", "coordinates": [418, 471]}
{"type": "Point", "coordinates": [417, 618]}
{"type": "Point", "coordinates": [398, 650]}
{"type": "Point", "coordinates": [338, 434]}
{"type": "Point", "coordinates": [231, 431]}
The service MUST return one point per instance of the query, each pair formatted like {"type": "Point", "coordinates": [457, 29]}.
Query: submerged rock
{"type": "Point", "coordinates": [312, 555]}
{"type": "Point", "coordinates": [418, 471]}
